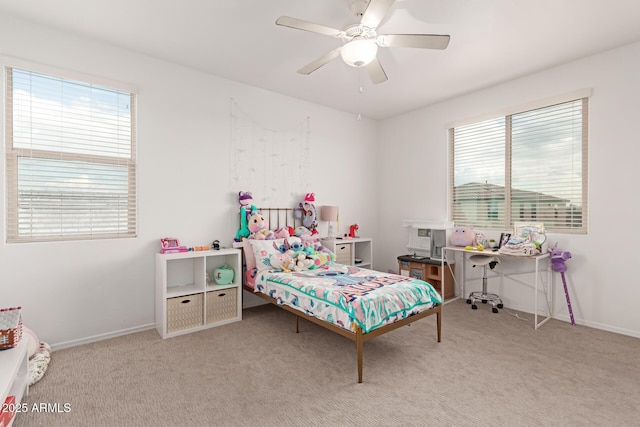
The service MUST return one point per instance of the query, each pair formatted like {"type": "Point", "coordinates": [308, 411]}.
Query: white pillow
{"type": "Point", "coordinates": [263, 250]}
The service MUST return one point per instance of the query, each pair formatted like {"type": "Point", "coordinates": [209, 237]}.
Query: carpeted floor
{"type": "Point", "coordinates": [489, 369]}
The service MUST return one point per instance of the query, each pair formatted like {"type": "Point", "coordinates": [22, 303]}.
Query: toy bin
{"type": "Point", "coordinates": [184, 312]}
{"type": "Point", "coordinates": [343, 254]}
{"type": "Point", "coordinates": [222, 305]}
{"type": "Point", "coordinates": [10, 327]}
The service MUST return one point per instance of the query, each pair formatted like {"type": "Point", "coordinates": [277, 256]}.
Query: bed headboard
{"type": "Point", "coordinates": [282, 217]}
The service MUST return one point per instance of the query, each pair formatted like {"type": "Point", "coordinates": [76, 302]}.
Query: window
{"type": "Point", "coordinates": [70, 152]}
{"type": "Point", "coordinates": [527, 166]}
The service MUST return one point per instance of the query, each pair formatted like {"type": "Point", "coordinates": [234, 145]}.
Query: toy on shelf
{"type": "Point", "coordinates": [558, 258]}
{"type": "Point", "coordinates": [170, 245]}
{"type": "Point", "coordinates": [223, 275]}
{"type": "Point", "coordinates": [353, 228]}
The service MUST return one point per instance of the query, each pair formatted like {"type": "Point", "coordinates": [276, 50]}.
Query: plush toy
{"type": "Point", "coordinates": [285, 261]}
{"type": "Point", "coordinates": [295, 243]}
{"type": "Point", "coordinates": [463, 236]}
{"type": "Point", "coordinates": [283, 247]}
{"type": "Point", "coordinates": [558, 258]}
{"type": "Point", "coordinates": [246, 209]}
{"type": "Point", "coordinates": [353, 229]}
{"type": "Point", "coordinates": [283, 232]}
{"type": "Point", "coordinates": [259, 227]}
{"type": "Point", "coordinates": [302, 262]}
{"type": "Point", "coordinates": [307, 211]}
{"type": "Point", "coordinates": [302, 231]}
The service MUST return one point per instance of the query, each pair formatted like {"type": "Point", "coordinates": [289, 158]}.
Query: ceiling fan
{"type": "Point", "coordinates": [361, 40]}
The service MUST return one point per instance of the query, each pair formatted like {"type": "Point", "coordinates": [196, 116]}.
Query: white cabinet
{"type": "Point", "coordinates": [357, 251]}
{"type": "Point", "coordinates": [14, 376]}
{"type": "Point", "coordinates": [187, 301]}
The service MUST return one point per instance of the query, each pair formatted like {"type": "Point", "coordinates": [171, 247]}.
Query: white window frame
{"type": "Point", "coordinates": [24, 228]}
{"type": "Point", "coordinates": [507, 216]}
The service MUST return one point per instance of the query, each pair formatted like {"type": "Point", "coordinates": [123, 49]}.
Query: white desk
{"type": "Point", "coordinates": [541, 264]}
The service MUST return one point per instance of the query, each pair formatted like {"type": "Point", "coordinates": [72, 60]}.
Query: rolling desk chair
{"type": "Point", "coordinates": [484, 296]}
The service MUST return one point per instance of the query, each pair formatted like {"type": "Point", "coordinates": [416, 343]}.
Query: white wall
{"type": "Point", "coordinates": [602, 275]}
{"type": "Point", "coordinates": [77, 291]}
{"type": "Point", "coordinates": [72, 292]}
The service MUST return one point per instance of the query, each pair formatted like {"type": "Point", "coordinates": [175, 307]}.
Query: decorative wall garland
{"type": "Point", "coordinates": [272, 164]}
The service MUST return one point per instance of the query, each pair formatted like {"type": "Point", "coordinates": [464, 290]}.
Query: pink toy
{"type": "Point", "coordinates": [259, 228]}
{"type": "Point", "coordinates": [170, 245]}
{"type": "Point", "coordinates": [463, 236]}
{"type": "Point", "coordinates": [558, 258]}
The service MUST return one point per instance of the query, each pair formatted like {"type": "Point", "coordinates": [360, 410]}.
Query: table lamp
{"type": "Point", "coordinates": [330, 214]}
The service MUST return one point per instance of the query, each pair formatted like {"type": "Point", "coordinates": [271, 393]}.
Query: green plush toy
{"type": "Point", "coordinates": [246, 209]}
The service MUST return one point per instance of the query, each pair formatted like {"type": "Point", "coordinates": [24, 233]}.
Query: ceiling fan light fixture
{"type": "Point", "coordinates": [359, 52]}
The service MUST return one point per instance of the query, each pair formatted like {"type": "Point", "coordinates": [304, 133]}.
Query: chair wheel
{"type": "Point", "coordinates": [495, 310]}
{"type": "Point", "coordinates": [469, 301]}
{"type": "Point", "coordinates": [474, 307]}
{"type": "Point", "coordinates": [484, 301]}
{"type": "Point", "coordinates": [500, 306]}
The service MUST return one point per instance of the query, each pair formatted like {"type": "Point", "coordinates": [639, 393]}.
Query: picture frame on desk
{"type": "Point", "coordinates": [504, 238]}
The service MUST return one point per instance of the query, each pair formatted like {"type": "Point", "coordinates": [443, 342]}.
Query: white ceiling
{"type": "Point", "coordinates": [491, 41]}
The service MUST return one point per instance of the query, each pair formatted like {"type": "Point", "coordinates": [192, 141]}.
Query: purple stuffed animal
{"type": "Point", "coordinates": [558, 258]}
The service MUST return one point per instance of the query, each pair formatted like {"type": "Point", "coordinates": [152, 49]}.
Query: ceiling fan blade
{"type": "Point", "coordinates": [376, 12]}
{"type": "Point", "coordinates": [376, 72]}
{"type": "Point", "coordinates": [314, 65]}
{"type": "Point", "coordinates": [422, 41]}
{"type": "Point", "coordinates": [299, 24]}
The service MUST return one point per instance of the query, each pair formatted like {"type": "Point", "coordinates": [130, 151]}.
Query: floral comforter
{"type": "Point", "coordinates": [349, 296]}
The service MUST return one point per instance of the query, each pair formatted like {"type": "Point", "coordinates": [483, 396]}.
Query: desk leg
{"type": "Point", "coordinates": [463, 276]}
{"type": "Point", "coordinates": [548, 295]}
{"type": "Point", "coordinates": [535, 299]}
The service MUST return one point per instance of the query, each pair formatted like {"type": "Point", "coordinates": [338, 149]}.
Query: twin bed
{"type": "Point", "coordinates": [359, 304]}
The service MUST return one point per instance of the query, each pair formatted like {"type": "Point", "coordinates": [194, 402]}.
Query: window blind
{"type": "Point", "coordinates": [525, 167]}
{"type": "Point", "coordinates": [71, 171]}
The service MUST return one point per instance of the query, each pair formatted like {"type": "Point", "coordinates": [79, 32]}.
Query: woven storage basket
{"type": "Point", "coordinates": [222, 305]}
{"type": "Point", "coordinates": [343, 254]}
{"type": "Point", "coordinates": [10, 327]}
{"type": "Point", "coordinates": [184, 312]}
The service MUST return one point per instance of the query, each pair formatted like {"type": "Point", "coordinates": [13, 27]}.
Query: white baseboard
{"type": "Point", "coordinates": [94, 338]}
{"type": "Point", "coordinates": [596, 325]}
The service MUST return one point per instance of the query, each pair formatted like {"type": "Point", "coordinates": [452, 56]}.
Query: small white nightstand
{"type": "Point", "coordinates": [356, 251]}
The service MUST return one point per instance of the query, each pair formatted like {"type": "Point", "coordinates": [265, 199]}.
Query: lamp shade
{"type": "Point", "coordinates": [359, 52]}
{"type": "Point", "coordinates": [329, 213]}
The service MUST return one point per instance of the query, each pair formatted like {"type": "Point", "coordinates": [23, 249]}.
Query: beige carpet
{"type": "Point", "coordinates": [489, 369]}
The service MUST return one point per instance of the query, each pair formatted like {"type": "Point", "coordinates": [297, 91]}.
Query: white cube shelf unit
{"type": "Point", "coordinates": [186, 302]}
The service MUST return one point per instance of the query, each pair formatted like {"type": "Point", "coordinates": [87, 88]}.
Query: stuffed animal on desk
{"type": "Point", "coordinates": [463, 236]}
